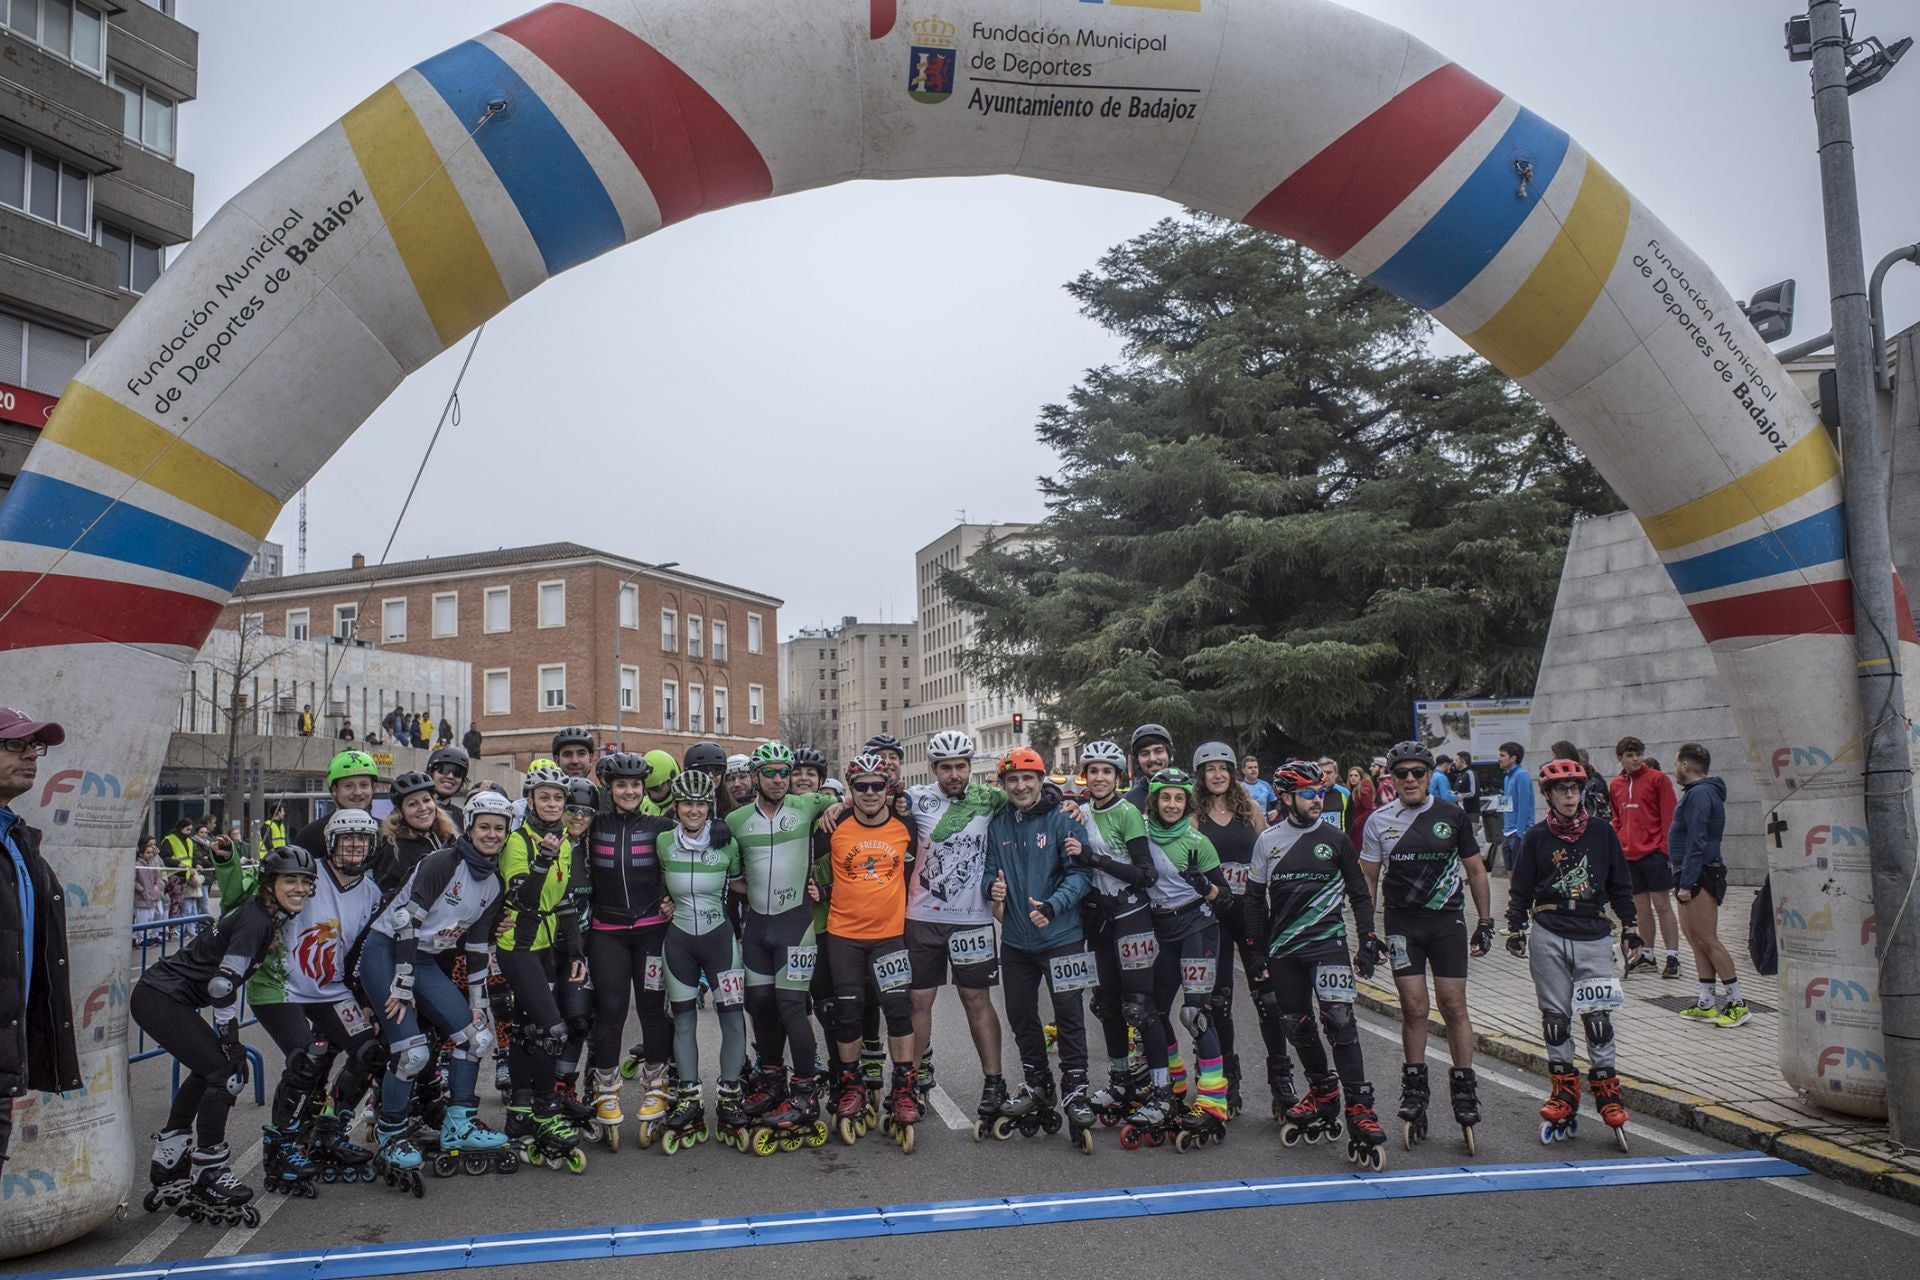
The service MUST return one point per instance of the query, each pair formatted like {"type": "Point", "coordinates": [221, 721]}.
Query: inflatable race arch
{"type": "Point", "coordinates": [472, 178]}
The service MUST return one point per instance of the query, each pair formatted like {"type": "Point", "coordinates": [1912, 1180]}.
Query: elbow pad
{"type": "Point", "coordinates": [220, 987]}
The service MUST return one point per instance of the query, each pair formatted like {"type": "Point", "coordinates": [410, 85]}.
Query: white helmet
{"type": "Point", "coordinates": [949, 744]}
{"type": "Point", "coordinates": [1103, 752]}
{"type": "Point", "coordinates": [543, 775]}
{"type": "Point", "coordinates": [485, 803]}
{"type": "Point", "coordinates": [834, 785]}
{"type": "Point", "coordinates": [738, 764]}
{"type": "Point", "coordinates": [350, 822]}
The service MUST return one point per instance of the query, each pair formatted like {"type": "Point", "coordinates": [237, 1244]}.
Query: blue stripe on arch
{"type": "Point", "coordinates": [563, 202]}
{"type": "Point", "coordinates": [1818, 539]}
{"type": "Point", "coordinates": [46, 512]}
{"type": "Point", "coordinates": [1458, 242]}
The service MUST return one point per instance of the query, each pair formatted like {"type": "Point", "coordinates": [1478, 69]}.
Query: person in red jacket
{"type": "Point", "coordinates": [1643, 804]}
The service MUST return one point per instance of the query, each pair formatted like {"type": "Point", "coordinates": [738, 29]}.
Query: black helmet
{"type": "Point", "coordinates": [408, 784]}
{"type": "Point", "coordinates": [881, 742]}
{"type": "Point", "coordinates": [707, 757]}
{"type": "Point", "coordinates": [572, 737]}
{"type": "Point", "coordinates": [1404, 751]}
{"type": "Point", "coordinates": [582, 794]}
{"type": "Point", "coordinates": [450, 758]}
{"type": "Point", "coordinates": [623, 764]}
{"type": "Point", "coordinates": [1148, 733]}
{"type": "Point", "coordinates": [287, 860]}
{"type": "Point", "coordinates": [810, 758]}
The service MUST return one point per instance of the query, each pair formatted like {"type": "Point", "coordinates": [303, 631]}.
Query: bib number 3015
{"type": "Point", "coordinates": [1073, 971]}
{"type": "Point", "coordinates": [970, 946]}
{"type": "Point", "coordinates": [892, 971]}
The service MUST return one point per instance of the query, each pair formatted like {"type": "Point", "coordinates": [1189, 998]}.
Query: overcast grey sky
{"type": "Point", "coordinates": [927, 317]}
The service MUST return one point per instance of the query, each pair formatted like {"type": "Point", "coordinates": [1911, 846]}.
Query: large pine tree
{"type": "Point", "coordinates": [1281, 518]}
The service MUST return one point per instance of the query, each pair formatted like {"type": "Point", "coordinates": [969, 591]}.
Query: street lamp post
{"type": "Point", "coordinates": [619, 731]}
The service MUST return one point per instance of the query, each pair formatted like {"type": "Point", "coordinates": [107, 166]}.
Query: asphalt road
{"type": "Point", "coordinates": [1785, 1226]}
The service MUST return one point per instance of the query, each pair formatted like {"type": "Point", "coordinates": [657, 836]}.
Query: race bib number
{"type": "Point", "coordinates": [892, 971]}
{"type": "Point", "coordinates": [732, 988]}
{"type": "Point", "coordinates": [1397, 944]}
{"type": "Point", "coordinates": [1333, 984]}
{"type": "Point", "coordinates": [1197, 976]}
{"type": "Point", "coordinates": [1072, 972]}
{"type": "Point", "coordinates": [970, 946]}
{"type": "Point", "coordinates": [352, 1017]}
{"type": "Point", "coordinates": [1236, 874]}
{"type": "Point", "coordinates": [1138, 950]}
{"type": "Point", "coordinates": [801, 962]}
{"type": "Point", "coordinates": [1592, 995]}
{"type": "Point", "coordinates": [654, 976]}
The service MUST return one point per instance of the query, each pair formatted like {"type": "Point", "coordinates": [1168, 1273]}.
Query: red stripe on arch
{"type": "Point", "coordinates": [692, 153]}
{"type": "Point", "coordinates": [1336, 198]}
{"type": "Point", "coordinates": [40, 612]}
{"type": "Point", "coordinates": [884, 14]}
{"type": "Point", "coordinates": [1821, 608]}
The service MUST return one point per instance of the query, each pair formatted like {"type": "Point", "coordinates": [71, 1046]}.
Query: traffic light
{"type": "Point", "coordinates": [1019, 724]}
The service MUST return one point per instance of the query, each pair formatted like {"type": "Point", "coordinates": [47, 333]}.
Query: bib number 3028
{"type": "Point", "coordinates": [1591, 995]}
{"type": "Point", "coordinates": [1073, 971]}
{"type": "Point", "coordinates": [970, 946]}
{"type": "Point", "coordinates": [1333, 984]}
{"type": "Point", "coordinates": [892, 971]}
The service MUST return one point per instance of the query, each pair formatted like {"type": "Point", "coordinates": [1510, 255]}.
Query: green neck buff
{"type": "Point", "coordinates": [1164, 834]}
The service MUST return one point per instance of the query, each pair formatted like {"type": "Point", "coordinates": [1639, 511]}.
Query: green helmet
{"type": "Point", "coordinates": [351, 764]}
{"type": "Point", "coordinates": [1172, 776]}
{"type": "Point", "coordinates": [662, 768]}
{"type": "Point", "coordinates": [771, 753]}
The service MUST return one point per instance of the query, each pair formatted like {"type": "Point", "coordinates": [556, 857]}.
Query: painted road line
{"type": "Point", "coordinates": [949, 1109]}
{"type": "Point", "coordinates": [957, 1215]}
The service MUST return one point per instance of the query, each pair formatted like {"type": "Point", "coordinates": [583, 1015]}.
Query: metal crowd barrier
{"type": "Point", "coordinates": [156, 940]}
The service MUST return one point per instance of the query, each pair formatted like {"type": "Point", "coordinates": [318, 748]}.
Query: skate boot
{"type": "Point", "coordinates": [288, 1169]}
{"type": "Point", "coordinates": [170, 1172]}
{"type": "Point", "coordinates": [1280, 1086]}
{"type": "Point", "coordinates": [1114, 1100]}
{"type": "Point", "coordinates": [218, 1197]}
{"type": "Point", "coordinates": [1233, 1085]}
{"type": "Point", "coordinates": [1204, 1123]}
{"type": "Point", "coordinates": [581, 1115]}
{"type": "Point", "coordinates": [850, 1104]}
{"type": "Point", "coordinates": [923, 1080]}
{"type": "Point", "coordinates": [1606, 1099]}
{"type": "Point", "coordinates": [339, 1157]}
{"type": "Point", "coordinates": [655, 1097]}
{"type": "Point", "coordinates": [903, 1109]}
{"type": "Point", "coordinates": [1316, 1116]}
{"type": "Point", "coordinates": [398, 1160]}
{"type": "Point", "coordinates": [873, 1077]}
{"type": "Point", "coordinates": [1040, 1102]}
{"type": "Point", "coordinates": [794, 1121]}
{"type": "Point", "coordinates": [464, 1144]}
{"type": "Point", "coordinates": [766, 1089]}
{"type": "Point", "coordinates": [556, 1136]}
{"type": "Point", "coordinates": [685, 1125]}
{"type": "Point", "coordinates": [1076, 1103]}
{"type": "Point", "coordinates": [1463, 1087]}
{"type": "Point", "coordinates": [606, 1105]}
{"type": "Point", "coordinates": [1413, 1104]}
{"type": "Point", "coordinates": [994, 1114]}
{"type": "Point", "coordinates": [730, 1123]}
{"type": "Point", "coordinates": [502, 1078]}
{"type": "Point", "coordinates": [1365, 1137]}
{"type": "Point", "coordinates": [1560, 1113]}
{"type": "Point", "coordinates": [1154, 1118]}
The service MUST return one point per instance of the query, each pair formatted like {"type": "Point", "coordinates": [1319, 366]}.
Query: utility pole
{"type": "Point", "coordinates": [1889, 768]}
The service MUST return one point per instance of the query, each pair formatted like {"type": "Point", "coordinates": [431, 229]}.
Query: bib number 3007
{"type": "Point", "coordinates": [1073, 971]}
{"type": "Point", "coordinates": [1591, 995]}
{"type": "Point", "coordinates": [892, 971]}
{"type": "Point", "coordinates": [1333, 984]}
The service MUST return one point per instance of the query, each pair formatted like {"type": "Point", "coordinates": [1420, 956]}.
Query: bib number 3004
{"type": "Point", "coordinates": [1073, 971]}
{"type": "Point", "coordinates": [892, 971]}
{"type": "Point", "coordinates": [1592, 995]}
{"type": "Point", "coordinates": [1333, 984]}
{"type": "Point", "coordinates": [970, 946]}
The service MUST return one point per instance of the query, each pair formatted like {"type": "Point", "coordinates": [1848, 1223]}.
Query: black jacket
{"type": "Point", "coordinates": [37, 1045]}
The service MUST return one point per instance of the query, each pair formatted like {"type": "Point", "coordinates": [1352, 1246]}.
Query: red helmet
{"type": "Point", "coordinates": [1562, 771]}
{"type": "Point", "coordinates": [1298, 775]}
{"type": "Point", "coordinates": [1022, 759]}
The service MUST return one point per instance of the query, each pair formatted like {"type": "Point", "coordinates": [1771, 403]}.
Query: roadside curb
{"type": "Point", "coordinates": [1717, 1120]}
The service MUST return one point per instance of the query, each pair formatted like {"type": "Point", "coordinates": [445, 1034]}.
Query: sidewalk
{"type": "Point", "coordinates": [1724, 1083]}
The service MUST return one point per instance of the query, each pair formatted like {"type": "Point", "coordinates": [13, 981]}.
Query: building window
{"type": "Point", "coordinates": [669, 631]}
{"type": "Point", "coordinates": [883, 682]}
{"type": "Point", "coordinates": [754, 638]}
{"type": "Point", "coordinates": [32, 355]}
{"type": "Point", "coordinates": [883, 704]}
{"type": "Point", "coordinates": [693, 635]}
{"type": "Point", "coordinates": [298, 622]}
{"type": "Point", "coordinates": [40, 186]}
{"type": "Point", "coordinates": [553, 688]}
{"type": "Point", "coordinates": [446, 614]}
{"type": "Point", "coordinates": [553, 604]}
{"type": "Point", "coordinates": [719, 640]}
{"type": "Point", "coordinates": [629, 688]}
{"type": "Point", "coordinates": [253, 624]}
{"type": "Point", "coordinates": [630, 606]}
{"type": "Point", "coordinates": [720, 709]}
{"type": "Point", "coordinates": [74, 31]}
{"type": "Point", "coordinates": [696, 707]}
{"type": "Point", "coordinates": [755, 695]}
{"type": "Point", "coordinates": [670, 706]}
{"type": "Point", "coordinates": [146, 117]}
{"type": "Point", "coordinates": [393, 619]}
{"type": "Point", "coordinates": [498, 691]}
{"type": "Point", "coordinates": [499, 609]}
{"type": "Point", "coordinates": [137, 260]}
{"type": "Point", "coordinates": [346, 620]}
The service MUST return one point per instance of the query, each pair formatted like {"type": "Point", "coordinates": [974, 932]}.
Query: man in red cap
{"type": "Point", "coordinates": [37, 1048]}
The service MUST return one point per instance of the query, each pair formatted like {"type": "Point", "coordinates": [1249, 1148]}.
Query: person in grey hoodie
{"type": "Point", "coordinates": [1700, 885]}
{"type": "Point", "coordinates": [1036, 880]}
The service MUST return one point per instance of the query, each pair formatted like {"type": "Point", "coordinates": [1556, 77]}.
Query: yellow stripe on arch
{"type": "Point", "coordinates": [1803, 468]}
{"type": "Point", "coordinates": [442, 249]}
{"type": "Point", "coordinates": [92, 423]}
{"type": "Point", "coordinates": [1562, 288]}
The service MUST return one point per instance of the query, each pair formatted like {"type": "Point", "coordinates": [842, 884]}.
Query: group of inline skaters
{"type": "Point", "coordinates": [389, 959]}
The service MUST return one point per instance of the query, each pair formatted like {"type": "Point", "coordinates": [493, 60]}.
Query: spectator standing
{"type": "Point", "coordinates": [149, 883]}
{"type": "Point", "coordinates": [1443, 779]}
{"type": "Point", "coordinates": [1336, 806]}
{"type": "Point", "coordinates": [306, 720]}
{"type": "Point", "coordinates": [37, 1046]}
{"type": "Point", "coordinates": [1516, 784]}
{"type": "Point", "coordinates": [346, 731]}
{"type": "Point", "coordinates": [1365, 801]}
{"type": "Point", "coordinates": [1264, 797]}
{"type": "Point", "coordinates": [273, 832]}
{"type": "Point", "coordinates": [1700, 884]}
{"type": "Point", "coordinates": [1465, 785]}
{"type": "Point", "coordinates": [445, 737]}
{"type": "Point", "coordinates": [470, 741]}
{"type": "Point", "coordinates": [1643, 808]}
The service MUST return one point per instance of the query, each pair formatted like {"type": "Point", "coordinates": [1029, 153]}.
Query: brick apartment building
{"type": "Point", "coordinates": [696, 659]}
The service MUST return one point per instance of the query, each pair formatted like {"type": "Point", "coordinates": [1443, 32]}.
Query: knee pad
{"type": "Point", "coordinates": [1220, 1008]}
{"type": "Point", "coordinates": [827, 1010]}
{"type": "Point", "coordinates": [410, 1057]}
{"type": "Point", "coordinates": [1137, 1012]}
{"type": "Point", "coordinates": [1298, 1028]}
{"type": "Point", "coordinates": [1557, 1027]}
{"type": "Point", "coordinates": [1599, 1025]}
{"type": "Point", "coordinates": [579, 1026]}
{"type": "Point", "coordinates": [307, 1068]}
{"type": "Point", "coordinates": [1266, 1003]}
{"type": "Point", "coordinates": [1196, 1018]}
{"type": "Point", "coordinates": [371, 1056]}
{"type": "Point", "coordinates": [473, 1042]}
{"type": "Point", "coordinates": [850, 1015]}
{"type": "Point", "coordinates": [1342, 1030]}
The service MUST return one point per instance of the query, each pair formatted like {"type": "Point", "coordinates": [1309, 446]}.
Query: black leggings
{"type": "Point", "coordinates": [852, 961]}
{"type": "Point", "coordinates": [530, 1060]}
{"type": "Point", "coordinates": [1124, 990]}
{"type": "Point", "coordinates": [1232, 913]}
{"type": "Point", "coordinates": [1293, 981]}
{"type": "Point", "coordinates": [617, 959]}
{"type": "Point", "coordinates": [202, 1101]}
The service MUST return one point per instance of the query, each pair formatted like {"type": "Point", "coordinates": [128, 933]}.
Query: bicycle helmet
{"type": "Point", "coordinates": [1171, 776]}
{"type": "Point", "coordinates": [351, 822]}
{"type": "Point", "coordinates": [1149, 733]}
{"type": "Point", "coordinates": [622, 764]}
{"type": "Point", "coordinates": [707, 757]}
{"type": "Point", "coordinates": [449, 758]}
{"type": "Point", "coordinates": [582, 795]}
{"type": "Point", "coordinates": [865, 764]}
{"type": "Point", "coordinates": [1102, 751]}
{"type": "Point", "coordinates": [539, 763]}
{"type": "Point", "coordinates": [572, 736]}
{"type": "Point", "coordinates": [694, 784]}
{"type": "Point", "coordinates": [1213, 753]}
{"type": "Point", "coordinates": [351, 764]}
{"type": "Point", "coordinates": [292, 860]}
{"type": "Point", "coordinates": [661, 768]}
{"type": "Point", "coordinates": [949, 744]}
{"type": "Point", "coordinates": [741, 764]}
{"type": "Point", "coordinates": [834, 785]}
{"type": "Point", "coordinates": [1562, 771]}
{"type": "Point", "coordinates": [1022, 760]}
{"type": "Point", "coordinates": [882, 742]}
{"type": "Point", "coordinates": [1298, 775]}
{"type": "Point", "coordinates": [771, 753]}
{"type": "Point", "coordinates": [1405, 752]}
{"type": "Point", "coordinates": [488, 803]}
{"type": "Point", "coordinates": [810, 758]}
{"type": "Point", "coordinates": [543, 774]}
{"type": "Point", "coordinates": [407, 784]}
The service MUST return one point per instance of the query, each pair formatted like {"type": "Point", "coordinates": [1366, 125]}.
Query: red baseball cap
{"type": "Point", "coordinates": [18, 724]}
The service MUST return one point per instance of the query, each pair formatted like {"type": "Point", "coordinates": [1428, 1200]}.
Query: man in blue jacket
{"type": "Point", "coordinates": [1036, 882]}
{"type": "Point", "coordinates": [1517, 785]}
{"type": "Point", "coordinates": [1700, 884]}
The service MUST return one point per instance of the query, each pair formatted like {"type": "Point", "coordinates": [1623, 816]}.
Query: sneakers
{"type": "Point", "coordinates": [1644, 962]}
{"type": "Point", "coordinates": [1673, 967]}
{"type": "Point", "coordinates": [1701, 1013]}
{"type": "Point", "coordinates": [1733, 1015]}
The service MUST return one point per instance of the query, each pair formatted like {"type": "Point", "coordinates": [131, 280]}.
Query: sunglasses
{"type": "Point", "coordinates": [1310, 793]}
{"type": "Point", "coordinates": [776, 773]}
{"type": "Point", "coordinates": [869, 788]}
{"type": "Point", "coordinates": [453, 769]}
{"type": "Point", "coordinates": [1410, 775]}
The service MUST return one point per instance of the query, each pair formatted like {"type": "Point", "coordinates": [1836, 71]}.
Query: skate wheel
{"type": "Point", "coordinates": [792, 1141]}
{"type": "Point", "coordinates": [670, 1142]}
{"type": "Point", "coordinates": [1466, 1131]}
{"type": "Point", "coordinates": [903, 1134]}
{"type": "Point", "coordinates": [1333, 1132]}
{"type": "Point", "coordinates": [505, 1162]}
{"type": "Point", "coordinates": [1375, 1159]}
{"type": "Point", "coordinates": [250, 1215]}
{"type": "Point", "coordinates": [1002, 1128]}
{"type": "Point", "coordinates": [1290, 1136]}
{"type": "Point", "coordinates": [1549, 1131]}
{"type": "Point", "coordinates": [1155, 1138]}
{"type": "Point", "coordinates": [1181, 1141]}
{"type": "Point", "coordinates": [817, 1136]}
{"type": "Point", "coordinates": [1129, 1138]}
{"type": "Point", "coordinates": [1411, 1134]}
{"type": "Point", "coordinates": [445, 1166]}
{"type": "Point", "coordinates": [1620, 1136]}
{"type": "Point", "coordinates": [534, 1157]}
{"type": "Point", "coordinates": [1108, 1121]}
{"type": "Point", "coordinates": [329, 1174]}
{"type": "Point", "coordinates": [1573, 1126]}
{"type": "Point", "coordinates": [476, 1165]}
{"type": "Point", "coordinates": [1353, 1154]}
{"type": "Point", "coordinates": [646, 1135]}
{"type": "Point", "coordinates": [576, 1161]}
{"type": "Point", "coordinates": [1312, 1136]}
{"type": "Point", "coordinates": [611, 1134]}
{"type": "Point", "coordinates": [629, 1068]}
{"type": "Point", "coordinates": [886, 1125]}
{"type": "Point", "coordinates": [849, 1131]}
{"type": "Point", "coordinates": [765, 1142]}
{"type": "Point", "coordinates": [1051, 1122]}
{"type": "Point", "coordinates": [979, 1130]}
{"type": "Point", "coordinates": [1085, 1142]}
{"type": "Point", "coordinates": [366, 1173]}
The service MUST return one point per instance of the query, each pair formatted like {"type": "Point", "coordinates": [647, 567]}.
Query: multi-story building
{"type": "Point", "coordinates": [810, 689]}
{"type": "Point", "coordinates": [847, 683]}
{"type": "Point", "coordinates": [90, 198]}
{"type": "Point", "coordinates": [557, 635]}
{"type": "Point", "coordinates": [270, 561]}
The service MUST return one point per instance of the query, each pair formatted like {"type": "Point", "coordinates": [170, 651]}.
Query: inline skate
{"type": "Point", "coordinates": [1413, 1103]}
{"type": "Point", "coordinates": [794, 1122]}
{"type": "Point", "coordinates": [766, 1089]}
{"type": "Point", "coordinates": [1365, 1137]}
{"type": "Point", "coordinates": [686, 1124]}
{"type": "Point", "coordinates": [1316, 1116]}
{"type": "Point", "coordinates": [398, 1160]}
{"type": "Point", "coordinates": [1154, 1119]}
{"type": "Point", "coordinates": [1115, 1100]}
{"type": "Point", "coordinates": [656, 1096]}
{"type": "Point", "coordinates": [1280, 1086]}
{"type": "Point", "coordinates": [997, 1113]}
{"type": "Point", "coordinates": [464, 1145]}
{"type": "Point", "coordinates": [288, 1169]}
{"type": "Point", "coordinates": [1232, 1068]}
{"type": "Point", "coordinates": [1560, 1113]}
{"type": "Point", "coordinates": [544, 1135]}
{"type": "Point", "coordinates": [581, 1115]}
{"type": "Point", "coordinates": [1201, 1126]}
{"type": "Point", "coordinates": [1078, 1107]}
{"type": "Point", "coordinates": [1606, 1100]}
{"type": "Point", "coordinates": [606, 1105]}
{"type": "Point", "coordinates": [850, 1105]}
{"type": "Point", "coordinates": [1042, 1103]}
{"type": "Point", "coordinates": [333, 1151]}
{"type": "Point", "coordinates": [1463, 1088]}
{"type": "Point", "coordinates": [218, 1197]}
{"type": "Point", "coordinates": [730, 1123]}
{"type": "Point", "coordinates": [903, 1109]}
{"type": "Point", "coordinates": [170, 1170]}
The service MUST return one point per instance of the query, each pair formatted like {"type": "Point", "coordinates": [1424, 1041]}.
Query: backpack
{"type": "Point", "coordinates": [1763, 946]}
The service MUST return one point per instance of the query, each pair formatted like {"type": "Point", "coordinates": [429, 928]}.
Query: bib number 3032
{"type": "Point", "coordinates": [970, 946]}
{"type": "Point", "coordinates": [1591, 995]}
{"type": "Point", "coordinates": [1333, 984]}
{"type": "Point", "coordinates": [892, 971]}
{"type": "Point", "coordinates": [1073, 971]}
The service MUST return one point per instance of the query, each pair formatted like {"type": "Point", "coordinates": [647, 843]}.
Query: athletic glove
{"type": "Point", "coordinates": [237, 1073]}
{"type": "Point", "coordinates": [1631, 942]}
{"type": "Point", "coordinates": [1372, 952]}
{"type": "Point", "coordinates": [1517, 943]}
{"type": "Point", "coordinates": [1482, 938]}
{"type": "Point", "coordinates": [402, 989]}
